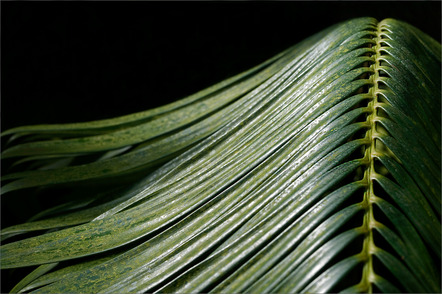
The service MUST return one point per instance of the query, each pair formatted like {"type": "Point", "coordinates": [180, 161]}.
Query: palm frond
{"type": "Point", "coordinates": [316, 171]}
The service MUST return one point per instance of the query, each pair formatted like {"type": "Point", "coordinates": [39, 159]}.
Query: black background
{"type": "Point", "coordinates": [80, 61]}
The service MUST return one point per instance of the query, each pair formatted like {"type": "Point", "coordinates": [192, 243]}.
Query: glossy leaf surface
{"type": "Point", "coordinates": [316, 171]}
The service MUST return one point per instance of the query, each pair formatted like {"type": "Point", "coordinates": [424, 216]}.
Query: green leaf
{"type": "Point", "coordinates": [410, 283]}
{"type": "Point", "coordinates": [316, 171]}
{"type": "Point", "coordinates": [39, 271]}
